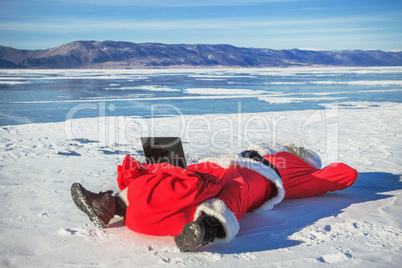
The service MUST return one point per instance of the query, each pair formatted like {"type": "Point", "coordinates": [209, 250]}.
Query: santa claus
{"type": "Point", "coordinates": [204, 203]}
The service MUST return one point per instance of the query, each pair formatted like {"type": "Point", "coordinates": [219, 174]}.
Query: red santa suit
{"type": "Point", "coordinates": [162, 198]}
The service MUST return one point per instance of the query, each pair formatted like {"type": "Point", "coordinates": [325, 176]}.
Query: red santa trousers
{"type": "Point", "coordinates": [300, 180]}
{"type": "Point", "coordinates": [163, 198]}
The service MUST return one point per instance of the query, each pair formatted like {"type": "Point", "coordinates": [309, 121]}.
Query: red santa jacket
{"type": "Point", "coordinates": [163, 198]}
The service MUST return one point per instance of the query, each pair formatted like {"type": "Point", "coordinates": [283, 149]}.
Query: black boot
{"type": "Point", "coordinates": [199, 233]}
{"type": "Point", "coordinates": [120, 206]}
{"type": "Point", "coordinates": [100, 208]}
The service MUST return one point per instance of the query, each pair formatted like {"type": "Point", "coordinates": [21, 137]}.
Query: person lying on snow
{"type": "Point", "coordinates": [205, 202]}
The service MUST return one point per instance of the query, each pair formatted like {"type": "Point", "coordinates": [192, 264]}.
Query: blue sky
{"type": "Point", "coordinates": [277, 24]}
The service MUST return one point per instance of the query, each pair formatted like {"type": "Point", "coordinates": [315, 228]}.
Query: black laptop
{"type": "Point", "coordinates": [164, 150]}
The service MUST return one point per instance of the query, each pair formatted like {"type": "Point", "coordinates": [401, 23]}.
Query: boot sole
{"type": "Point", "coordinates": [191, 237]}
{"type": "Point", "coordinates": [81, 202]}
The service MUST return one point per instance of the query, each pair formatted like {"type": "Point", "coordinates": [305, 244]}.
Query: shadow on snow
{"type": "Point", "coordinates": [271, 230]}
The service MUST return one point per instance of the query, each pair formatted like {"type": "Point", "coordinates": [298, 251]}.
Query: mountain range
{"type": "Point", "coordinates": [114, 55]}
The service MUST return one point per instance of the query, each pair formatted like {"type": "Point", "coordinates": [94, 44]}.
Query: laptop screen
{"type": "Point", "coordinates": [164, 150]}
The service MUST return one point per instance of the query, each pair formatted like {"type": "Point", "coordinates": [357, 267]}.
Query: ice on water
{"type": "Point", "coordinates": [49, 95]}
{"type": "Point", "coordinates": [330, 110]}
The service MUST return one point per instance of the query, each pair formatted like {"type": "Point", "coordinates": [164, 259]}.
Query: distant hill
{"type": "Point", "coordinates": [111, 54]}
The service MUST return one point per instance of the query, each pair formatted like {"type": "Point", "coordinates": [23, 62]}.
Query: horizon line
{"type": "Point", "coordinates": [209, 44]}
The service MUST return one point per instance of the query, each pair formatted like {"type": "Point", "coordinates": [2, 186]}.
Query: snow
{"type": "Point", "coordinates": [145, 88]}
{"type": "Point", "coordinates": [10, 82]}
{"type": "Point", "coordinates": [350, 83]}
{"type": "Point", "coordinates": [365, 83]}
{"type": "Point", "coordinates": [281, 99]}
{"type": "Point", "coordinates": [222, 91]}
{"type": "Point", "coordinates": [357, 227]}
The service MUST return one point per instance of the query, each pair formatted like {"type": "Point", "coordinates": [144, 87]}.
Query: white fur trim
{"type": "Point", "coordinates": [315, 161]}
{"type": "Point", "coordinates": [265, 149]}
{"type": "Point", "coordinates": [123, 196]}
{"type": "Point", "coordinates": [269, 174]}
{"type": "Point", "coordinates": [305, 154]}
{"type": "Point", "coordinates": [218, 209]}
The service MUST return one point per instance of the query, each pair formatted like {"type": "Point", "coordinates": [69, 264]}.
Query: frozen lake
{"type": "Point", "coordinates": [39, 96]}
{"type": "Point", "coordinates": [349, 115]}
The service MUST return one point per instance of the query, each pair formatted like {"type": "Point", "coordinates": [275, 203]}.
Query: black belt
{"type": "Point", "coordinates": [257, 157]}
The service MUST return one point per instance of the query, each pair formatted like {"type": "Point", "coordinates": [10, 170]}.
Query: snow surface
{"type": "Point", "coordinates": [223, 91]}
{"type": "Point", "coordinates": [358, 227]}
